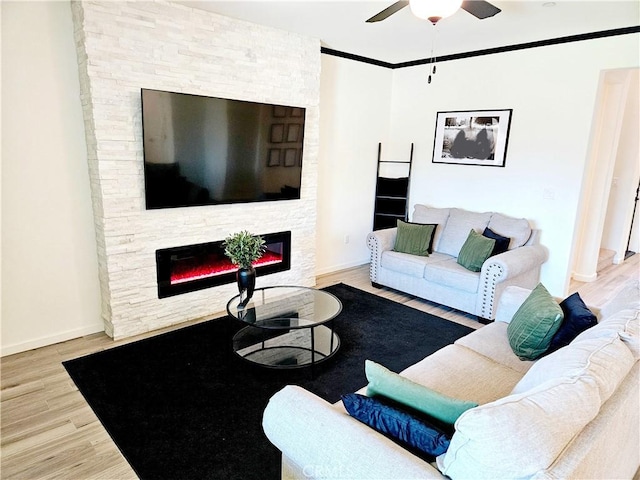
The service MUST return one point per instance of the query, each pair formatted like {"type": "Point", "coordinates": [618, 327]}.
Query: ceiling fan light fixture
{"type": "Point", "coordinates": [434, 10]}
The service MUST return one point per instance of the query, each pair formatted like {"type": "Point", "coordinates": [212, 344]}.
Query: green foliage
{"type": "Point", "coordinates": [243, 248]}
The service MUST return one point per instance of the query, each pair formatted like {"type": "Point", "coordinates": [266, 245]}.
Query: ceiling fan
{"type": "Point", "coordinates": [478, 8]}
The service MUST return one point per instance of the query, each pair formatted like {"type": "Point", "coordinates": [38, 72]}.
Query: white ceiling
{"type": "Point", "coordinates": [340, 25]}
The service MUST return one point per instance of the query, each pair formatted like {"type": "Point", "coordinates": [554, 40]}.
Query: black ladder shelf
{"type": "Point", "coordinates": [392, 194]}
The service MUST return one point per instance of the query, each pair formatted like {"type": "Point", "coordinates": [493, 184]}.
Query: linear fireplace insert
{"type": "Point", "coordinates": [194, 267]}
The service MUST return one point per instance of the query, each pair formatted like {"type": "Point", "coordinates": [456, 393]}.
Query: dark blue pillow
{"type": "Point", "coordinates": [502, 243]}
{"type": "Point", "coordinates": [577, 318]}
{"type": "Point", "coordinates": [405, 428]}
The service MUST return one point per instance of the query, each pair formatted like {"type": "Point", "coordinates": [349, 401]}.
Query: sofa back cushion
{"type": "Point", "coordinates": [425, 214]}
{"type": "Point", "coordinates": [456, 230]}
{"type": "Point", "coordinates": [491, 342]}
{"type": "Point", "coordinates": [623, 321]}
{"type": "Point", "coordinates": [604, 361]}
{"type": "Point", "coordinates": [517, 229]}
{"type": "Point", "coordinates": [519, 435]}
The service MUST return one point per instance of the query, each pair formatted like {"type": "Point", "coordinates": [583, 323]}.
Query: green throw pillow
{"type": "Point", "coordinates": [534, 324]}
{"type": "Point", "coordinates": [476, 249]}
{"type": "Point", "coordinates": [413, 238]}
{"type": "Point", "coordinates": [391, 385]}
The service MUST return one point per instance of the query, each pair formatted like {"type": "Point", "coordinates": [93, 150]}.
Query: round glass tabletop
{"type": "Point", "coordinates": [275, 307]}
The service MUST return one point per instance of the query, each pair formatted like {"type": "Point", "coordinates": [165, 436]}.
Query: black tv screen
{"type": "Point", "coordinates": [205, 150]}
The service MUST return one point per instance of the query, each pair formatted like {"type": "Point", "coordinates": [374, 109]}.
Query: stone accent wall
{"type": "Point", "coordinates": [123, 47]}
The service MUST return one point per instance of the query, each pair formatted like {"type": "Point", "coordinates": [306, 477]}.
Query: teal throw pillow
{"type": "Point", "coordinates": [475, 250]}
{"type": "Point", "coordinates": [391, 385]}
{"type": "Point", "coordinates": [414, 238]}
{"type": "Point", "coordinates": [534, 324]}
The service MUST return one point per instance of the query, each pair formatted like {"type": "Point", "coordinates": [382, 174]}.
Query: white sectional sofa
{"type": "Point", "coordinates": [439, 278]}
{"type": "Point", "coordinates": [571, 414]}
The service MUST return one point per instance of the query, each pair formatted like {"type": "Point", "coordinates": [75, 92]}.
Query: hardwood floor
{"type": "Point", "coordinates": [49, 432]}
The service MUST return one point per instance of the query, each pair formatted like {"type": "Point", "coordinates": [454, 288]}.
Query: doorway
{"type": "Point", "coordinates": [611, 176]}
{"type": "Point", "coordinates": [633, 243]}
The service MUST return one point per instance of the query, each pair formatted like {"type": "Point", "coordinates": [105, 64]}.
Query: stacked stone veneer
{"type": "Point", "coordinates": [123, 47]}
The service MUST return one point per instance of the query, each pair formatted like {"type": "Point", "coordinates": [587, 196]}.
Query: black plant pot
{"type": "Point", "coordinates": [246, 278]}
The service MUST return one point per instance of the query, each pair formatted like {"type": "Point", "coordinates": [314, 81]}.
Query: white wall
{"type": "Point", "coordinates": [355, 99]}
{"type": "Point", "coordinates": [552, 91]}
{"type": "Point", "coordinates": [50, 287]}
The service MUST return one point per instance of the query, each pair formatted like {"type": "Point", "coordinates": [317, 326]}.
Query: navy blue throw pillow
{"type": "Point", "coordinates": [405, 428]}
{"type": "Point", "coordinates": [502, 243]}
{"type": "Point", "coordinates": [577, 318]}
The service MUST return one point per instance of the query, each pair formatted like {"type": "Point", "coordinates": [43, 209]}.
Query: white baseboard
{"type": "Point", "coordinates": [585, 278]}
{"type": "Point", "coordinates": [344, 266]}
{"type": "Point", "coordinates": [50, 339]}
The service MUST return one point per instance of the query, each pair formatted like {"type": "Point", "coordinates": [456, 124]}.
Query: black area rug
{"type": "Point", "coordinates": [181, 406]}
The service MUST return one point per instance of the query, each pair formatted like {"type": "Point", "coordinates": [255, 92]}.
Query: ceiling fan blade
{"type": "Point", "coordinates": [387, 12]}
{"type": "Point", "coordinates": [480, 8]}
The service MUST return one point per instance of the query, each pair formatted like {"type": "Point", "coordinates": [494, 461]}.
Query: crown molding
{"type": "Point", "coordinates": [488, 51]}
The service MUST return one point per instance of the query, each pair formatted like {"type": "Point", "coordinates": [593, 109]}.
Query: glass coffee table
{"type": "Point", "coordinates": [286, 326]}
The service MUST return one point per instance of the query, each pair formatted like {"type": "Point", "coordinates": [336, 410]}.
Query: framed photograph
{"type": "Point", "coordinates": [290, 157]}
{"type": "Point", "coordinates": [293, 131]}
{"type": "Point", "coordinates": [277, 133]}
{"type": "Point", "coordinates": [274, 157]}
{"type": "Point", "coordinates": [279, 111]}
{"type": "Point", "coordinates": [474, 137]}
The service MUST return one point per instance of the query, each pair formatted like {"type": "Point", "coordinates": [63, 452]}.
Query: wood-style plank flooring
{"type": "Point", "coordinates": [48, 430]}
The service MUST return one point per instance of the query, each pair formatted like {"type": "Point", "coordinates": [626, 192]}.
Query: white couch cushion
{"type": "Point", "coordinates": [491, 341]}
{"type": "Point", "coordinates": [604, 360]}
{"type": "Point", "coordinates": [457, 229]}
{"type": "Point", "coordinates": [517, 229]}
{"type": "Point", "coordinates": [426, 214]}
{"type": "Point", "coordinates": [519, 435]}
{"type": "Point", "coordinates": [451, 274]}
{"type": "Point", "coordinates": [628, 297]}
{"type": "Point", "coordinates": [461, 373]}
{"type": "Point", "coordinates": [408, 264]}
{"type": "Point", "coordinates": [622, 321]}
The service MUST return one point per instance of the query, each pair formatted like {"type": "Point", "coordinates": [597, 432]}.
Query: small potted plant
{"type": "Point", "coordinates": [243, 248]}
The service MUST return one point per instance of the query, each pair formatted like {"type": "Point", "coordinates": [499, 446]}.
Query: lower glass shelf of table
{"type": "Point", "coordinates": [286, 326]}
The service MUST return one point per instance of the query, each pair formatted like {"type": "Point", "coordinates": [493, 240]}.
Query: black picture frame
{"type": "Point", "coordinates": [472, 137]}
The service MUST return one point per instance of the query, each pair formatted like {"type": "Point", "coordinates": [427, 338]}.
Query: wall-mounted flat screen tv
{"type": "Point", "coordinates": [206, 151]}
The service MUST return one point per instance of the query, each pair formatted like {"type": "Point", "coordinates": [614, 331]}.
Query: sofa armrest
{"type": "Point", "coordinates": [378, 242]}
{"type": "Point", "coordinates": [325, 442]}
{"type": "Point", "coordinates": [515, 262]}
{"type": "Point", "coordinates": [510, 301]}
{"type": "Point", "coordinates": [520, 266]}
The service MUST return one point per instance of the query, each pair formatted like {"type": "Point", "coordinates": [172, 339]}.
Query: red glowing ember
{"type": "Point", "coordinates": [211, 265]}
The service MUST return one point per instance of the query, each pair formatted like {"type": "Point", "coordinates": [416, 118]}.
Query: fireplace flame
{"type": "Point", "coordinates": [191, 269]}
